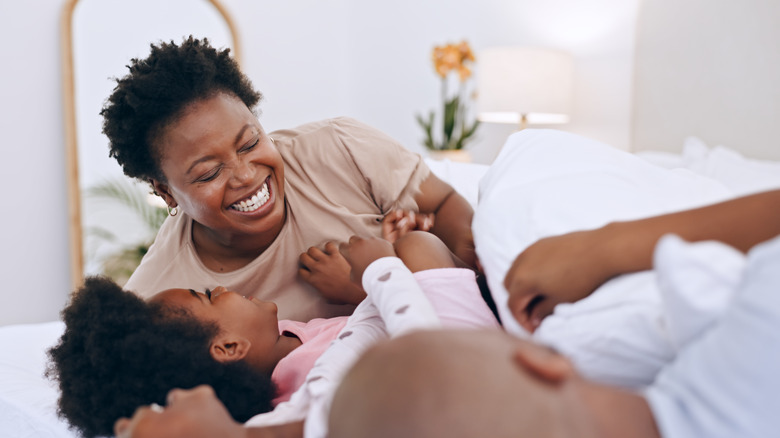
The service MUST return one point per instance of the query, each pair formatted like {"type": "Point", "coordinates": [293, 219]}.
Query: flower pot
{"type": "Point", "coordinates": [458, 155]}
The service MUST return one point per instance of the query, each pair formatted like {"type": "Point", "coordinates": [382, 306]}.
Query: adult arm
{"type": "Point", "coordinates": [195, 413]}
{"type": "Point", "coordinates": [570, 267]}
{"type": "Point", "coordinates": [452, 217]}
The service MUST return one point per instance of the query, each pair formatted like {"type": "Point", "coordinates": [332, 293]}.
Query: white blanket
{"type": "Point", "coordinates": [547, 182]}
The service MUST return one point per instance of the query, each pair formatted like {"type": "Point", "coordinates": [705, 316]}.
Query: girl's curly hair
{"type": "Point", "coordinates": [155, 93]}
{"type": "Point", "coordinates": [118, 353]}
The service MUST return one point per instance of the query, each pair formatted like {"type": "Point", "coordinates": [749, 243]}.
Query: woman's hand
{"type": "Point", "coordinates": [559, 269]}
{"type": "Point", "coordinates": [360, 253]}
{"type": "Point", "coordinates": [195, 413]}
{"type": "Point", "coordinates": [398, 223]}
{"type": "Point", "coordinates": [328, 271]}
{"type": "Point", "coordinates": [191, 414]}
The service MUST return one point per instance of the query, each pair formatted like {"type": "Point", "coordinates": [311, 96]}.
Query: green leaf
{"type": "Point", "coordinates": [428, 129]}
{"type": "Point", "coordinates": [450, 111]}
{"type": "Point", "coordinates": [121, 191]}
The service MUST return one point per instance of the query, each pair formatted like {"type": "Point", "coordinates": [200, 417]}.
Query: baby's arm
{"type": "Point", "coordinates": [390, 285]}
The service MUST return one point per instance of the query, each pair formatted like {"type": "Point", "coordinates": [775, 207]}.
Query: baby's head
{"type": "Point", "coordinates": [119, 352]}
{"type": "Point", "coordinates": [477, 383]}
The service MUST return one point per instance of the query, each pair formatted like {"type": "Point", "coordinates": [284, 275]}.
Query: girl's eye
{"type": "Point", "coordinates": [208, 294]}
{"type": "Point", "coordinates": [251, 146]}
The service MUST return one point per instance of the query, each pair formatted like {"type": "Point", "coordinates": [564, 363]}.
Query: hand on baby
{"type": "Point", "coordinates": [360, 253]}
{"type": "Point", "coordinates": [398, 223]}
{"type": "Point", "coordinates": [559, 269]}
{"type": "Point", "coordinates": [328, 271]}
{"type": "Point", "coordinates": [189, 414]}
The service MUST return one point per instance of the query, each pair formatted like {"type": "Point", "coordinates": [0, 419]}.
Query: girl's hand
{"type": "Point", "coordinates": [360, 253]}
{"type": "Point", "coordinates": [399, 222]}
{"type": "Point", "coordinates": [328, 271]}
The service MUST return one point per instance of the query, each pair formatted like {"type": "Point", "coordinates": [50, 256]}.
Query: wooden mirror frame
{"type": "Point", "coordinates": [71, 139]}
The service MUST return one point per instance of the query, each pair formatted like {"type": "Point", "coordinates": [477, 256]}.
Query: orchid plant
{"type": "Point", "coordinates": [452, 64]}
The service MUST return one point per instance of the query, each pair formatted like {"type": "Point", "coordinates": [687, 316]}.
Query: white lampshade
{"type": "Point", "coordinates": [518, 85]}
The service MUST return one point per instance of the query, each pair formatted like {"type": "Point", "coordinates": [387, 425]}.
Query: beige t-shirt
{"type": "Point", "coordinates": [341, 178]}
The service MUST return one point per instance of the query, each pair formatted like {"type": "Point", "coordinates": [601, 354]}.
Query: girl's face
{"type": "Point", "coordinates": [223, 171]}
{"type": "Point", "coordinates": [239, 319]}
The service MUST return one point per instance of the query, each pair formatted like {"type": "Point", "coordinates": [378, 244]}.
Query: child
{"type": "Point", "coordinates": [119, 352]}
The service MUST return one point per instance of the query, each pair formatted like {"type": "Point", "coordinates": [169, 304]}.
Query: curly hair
{"type": "Point", "coordinates": [157, 90]}
{"type": "Point", "coordinates": [119, 352]}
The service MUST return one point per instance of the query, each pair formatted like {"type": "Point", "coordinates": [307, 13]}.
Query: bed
{"type": "Point", "coordinates": [28, 400]}
{"type": "Point", "coordinates": [692, 112]}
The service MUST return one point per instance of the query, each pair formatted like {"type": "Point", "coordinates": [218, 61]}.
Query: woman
{"type": "Point", "coordinates": [248, 207]}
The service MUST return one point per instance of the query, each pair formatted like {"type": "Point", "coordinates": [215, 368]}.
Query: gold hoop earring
{"type": "Point", "coordinates": [173, 211]}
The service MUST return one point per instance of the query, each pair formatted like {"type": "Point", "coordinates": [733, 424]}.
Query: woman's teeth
{"type": "Point", "coordinates": [256, 201]}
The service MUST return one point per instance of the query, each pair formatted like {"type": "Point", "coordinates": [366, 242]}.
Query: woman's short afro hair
{"type": "Point", "coordinates": [155, 93]}
{"type": "Point", "coordinates": [118, 353]}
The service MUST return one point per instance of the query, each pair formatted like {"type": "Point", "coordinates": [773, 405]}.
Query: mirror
{"type": "Point", "coordinates": [99, 38]}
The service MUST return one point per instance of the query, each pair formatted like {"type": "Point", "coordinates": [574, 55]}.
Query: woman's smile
{"type": "Point", "coordinates": [256, 201]}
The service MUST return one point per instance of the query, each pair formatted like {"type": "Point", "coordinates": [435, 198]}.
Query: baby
{"type": "Point", "coordinates": [119, 352]}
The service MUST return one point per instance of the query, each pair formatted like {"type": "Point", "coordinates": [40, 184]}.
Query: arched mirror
{"type": "Point", "coordinates": [111, 221]}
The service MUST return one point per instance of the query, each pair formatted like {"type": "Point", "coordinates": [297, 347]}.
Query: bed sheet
{"type": "Point", "coordinates": [28, 401]}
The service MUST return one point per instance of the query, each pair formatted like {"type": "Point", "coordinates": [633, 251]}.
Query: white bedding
{"type": "Point", "coordinates": [547, 175]}
{"type": "Point", "coordinates": [28, 401]}
{"type": "Point", "coordinates": [549, 182]}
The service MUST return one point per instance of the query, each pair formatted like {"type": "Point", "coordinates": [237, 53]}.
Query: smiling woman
{"type": "Point", "coordinates": [98, 37]}
{"type": "Point", "coordinates": [259, 212]}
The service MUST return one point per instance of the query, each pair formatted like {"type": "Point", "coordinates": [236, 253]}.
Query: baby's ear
{"type": "Point", "coordinates": [226, 349]}
{"type": "Point", "coordinates": [543, 363]}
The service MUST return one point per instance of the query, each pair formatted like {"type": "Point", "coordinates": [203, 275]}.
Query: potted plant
{"type": "Point", "coordinates": [119, 258]}
{"type": "Point", "coordinates": [452, 64]}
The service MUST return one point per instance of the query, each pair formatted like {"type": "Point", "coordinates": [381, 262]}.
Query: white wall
{"type": "Point", "coordinates": [34, 274]}
{"type": "Point", "coordinates": [312, 60]}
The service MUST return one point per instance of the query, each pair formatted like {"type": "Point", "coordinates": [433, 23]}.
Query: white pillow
{"type": "Point", "coordinates": [547, 182]}
{"type": "Point", "coordinates": [740, 174]}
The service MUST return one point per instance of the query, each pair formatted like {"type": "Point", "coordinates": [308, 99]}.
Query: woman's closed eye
{"type": "Point", "coordinates": [250, 146]}
{"type": "Point", "coordinates": [214, 173]}
{"type": "Point", "coordinates": [210, 175]}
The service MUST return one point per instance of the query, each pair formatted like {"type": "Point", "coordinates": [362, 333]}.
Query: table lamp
{"type": "Point", "coordinates": [524, 86]}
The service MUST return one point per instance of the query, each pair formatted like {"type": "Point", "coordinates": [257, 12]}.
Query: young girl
{"type": "Point", "coordinates": [119, 352]}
